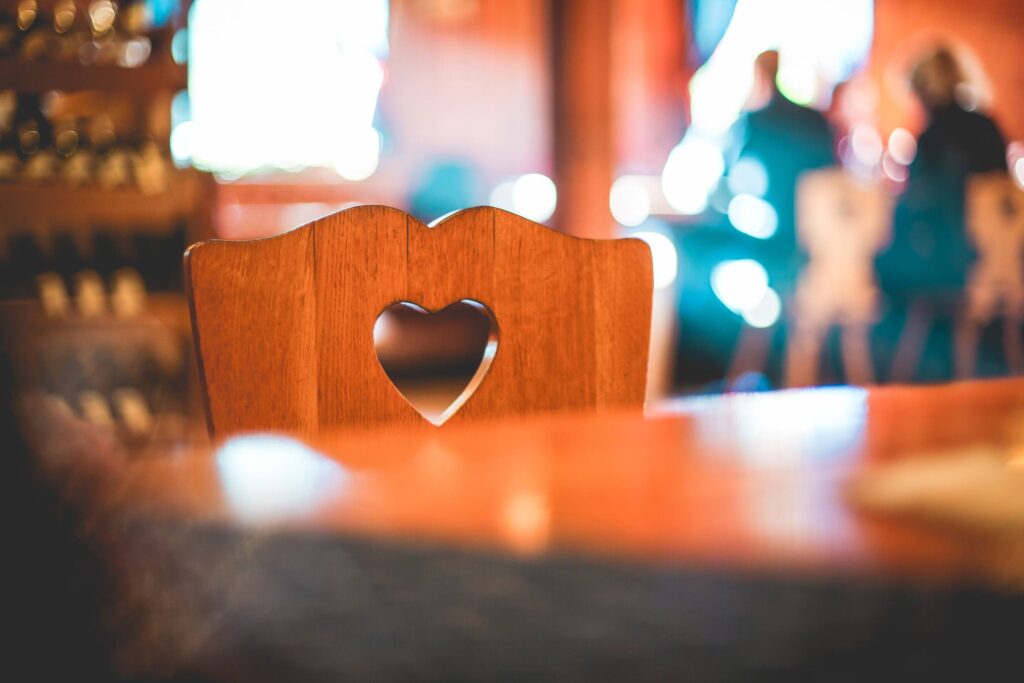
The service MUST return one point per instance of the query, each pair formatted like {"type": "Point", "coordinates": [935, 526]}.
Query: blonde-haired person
{"type": "Point", "coordinates": [931, 254]}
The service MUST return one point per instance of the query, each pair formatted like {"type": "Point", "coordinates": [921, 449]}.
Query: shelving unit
{"type": "Point", "coordinates": [47, 207]}
{"type": "Point", "coordinates": [24, 76]}
{"type": "Point", "coordinates": [42, 210]}
{"type": "Point", "coordinates": [39, 207]}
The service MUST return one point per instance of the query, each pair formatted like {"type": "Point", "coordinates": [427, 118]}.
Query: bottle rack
{"type": "Point", "coordinates": [136, 370]}
{"type": "Point", "coordinates": [45, 208]}
{"type": "Point", "coordinates": [90, 362]}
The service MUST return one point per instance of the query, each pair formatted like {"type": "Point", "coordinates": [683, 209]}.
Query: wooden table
{"type": "Point", "coordinates": [713, 539]}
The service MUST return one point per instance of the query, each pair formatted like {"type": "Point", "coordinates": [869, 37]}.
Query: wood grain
{"type": "Point", "coordinates": [707, 543]}
{"type": "Point", "coordinates": [284, 326]}
{"type": "Point", "coordinates": [743, 481]}
{"type": "Point", "coordinates": [257, 325]}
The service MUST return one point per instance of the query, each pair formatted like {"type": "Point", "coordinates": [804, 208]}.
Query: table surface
{"type": "Point", "coordinates": [754, 481]}
{"type": "Point", "coordinates": [712, 540]}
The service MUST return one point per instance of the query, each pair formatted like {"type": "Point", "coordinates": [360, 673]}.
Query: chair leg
{"type": "Point", "coordinates": [751, 352]}
{"type": "Point", "coordinates": [857, 355]}
{"type": "Point", "coordinates": [1013, 345]}
{"type": "Point", "coordinates": [966, 347]}
{"type": "Point", "coordinates": [802, 357]}
{"type": "Point", "coordinates": [911, 343]}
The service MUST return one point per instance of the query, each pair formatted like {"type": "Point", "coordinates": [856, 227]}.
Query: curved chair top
{"type": "Point", "coordinates": [283, 326]}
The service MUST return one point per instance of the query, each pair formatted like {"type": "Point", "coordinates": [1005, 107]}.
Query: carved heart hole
{"type": "Point", "coordinates": [436, 360]}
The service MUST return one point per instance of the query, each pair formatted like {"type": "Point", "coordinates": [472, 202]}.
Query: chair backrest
{"type": "Point", "coordinates": [283, 326]}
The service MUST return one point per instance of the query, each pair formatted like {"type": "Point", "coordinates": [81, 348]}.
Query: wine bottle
{"type": "Point", "coordinates": [34, 39]}
{"type": "Point", "coordinates": [27, 260]}
{"type": "Point", "coordinates": [127, 293]}
{"type": "Point", "coordinates": [35, 144]}
{"type": "Point", "coordinates": [150, 168]}
{"type": "Point", "coordinates": [113, 165]}
{"type": "Point", "coordinates": [134, 412]}
{"type": "Point", "coordinates": [77, 168]}
{"type": "Point", "coordinates": [69, 34]}
{"type": "Point", "coordinates": [53, 295]}
{"type": "Point", "coordinates": [135, 22]}
{"type": "Point", "coordinates": [66, 257]}
{"type": "Point", "coordinates": [9, 159]}
{"type": "Point", "coordinates": [103, 47]}
{"type": "Point", "coordinates": [8, 34]}
{"type": "Point", "coordinates": [90, 297]}
{"type": "Point", "coordinates": [95, 408]}
{"type": "Point", "coordinates": [109, 254]}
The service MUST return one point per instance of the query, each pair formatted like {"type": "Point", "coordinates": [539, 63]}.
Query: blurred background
{"type": "Point", "coordinates": [131, 129]}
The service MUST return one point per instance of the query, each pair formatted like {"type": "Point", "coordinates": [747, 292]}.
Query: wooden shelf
{"type": "Point", "coordinates": [26, 76]}
{"type": "Point", "coordinates": [164, 311]}
{"type": "Point", "coordinates": [28, 207]}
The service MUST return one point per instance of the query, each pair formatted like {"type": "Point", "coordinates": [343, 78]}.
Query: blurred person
{"type": "Point", "coordinates": [924, 270]}
{"type": "Point", "coordinates": [853, 106]}
{"type": "Point", "coordinates": [786, 139]}
{"type": "Point", "coordinates": [838, 116]}
{"type": "Point", "coordinates": [955, 143]}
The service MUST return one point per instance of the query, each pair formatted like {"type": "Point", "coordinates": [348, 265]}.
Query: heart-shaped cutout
{"type": "Point", "coordinates": [436, 360]}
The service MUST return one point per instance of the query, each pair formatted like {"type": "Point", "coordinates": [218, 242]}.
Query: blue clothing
{"type": "Point", "coordinates": [788, 140]}
{"type": "Point", "coordinates": [930, 251]}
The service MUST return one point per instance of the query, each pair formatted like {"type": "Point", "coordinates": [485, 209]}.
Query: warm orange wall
{"type": "Point", "coordinates": [650, 73]}
{"type": "Point", "coordinates": [992, 29]}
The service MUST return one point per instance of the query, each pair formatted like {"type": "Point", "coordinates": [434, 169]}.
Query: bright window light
{"type": "Point", "coordinates": [819, 43]}
{"type": "Point", "coordinates": [285, 85]}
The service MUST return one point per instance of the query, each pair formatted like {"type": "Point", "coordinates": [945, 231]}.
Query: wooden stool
{"type": "Point", "coordinates": [995, 287]}
{"type": "Point", "coordinates": [842, 223]}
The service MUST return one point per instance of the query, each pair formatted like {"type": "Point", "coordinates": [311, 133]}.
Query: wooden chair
{"type": "Point", "coordinates": [842, 222]}
{"type": "Point", "coordinates": [995, 286]}
{"type": "Point", "coordinates": [283, 326]}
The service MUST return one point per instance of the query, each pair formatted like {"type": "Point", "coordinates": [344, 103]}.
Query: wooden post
{"type": "Point", "coordinates": [581, 45]}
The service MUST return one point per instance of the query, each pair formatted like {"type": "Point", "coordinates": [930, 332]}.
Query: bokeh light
{"type": "Point", "coordinates": [902, 146]}
{"type": "Point", "coordinates": [502, 196]}
{"type": "Point", "coordinates": [664, 256]}
{"type": "Point", "coordinates": [893, 169]}
{"type": "Point", "coordinates": [748, 176]}
{"type": "Point", "coordinates": [866, 145]}
{"type": "Point", "coordinates": [182, 143]}
{"type": "Point", "coordinates": [765, 312]}
{"type": "Point", "coordinates": [693, 168]}
{"type": "Point", "coordinates": [534, 196]}
{"type": "Point", "coordinates": [266, 476]}
{"type": "Point", "coordinates": [1015, 161]}
{"type": "Point", "coordinates": [740, 284]}
{"type": "Point", "coordinates": [753, 216]}
{"type": "Point", "coordinates": [629, 201]}
{"type": "Point", "coordinates": [359, 155]}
